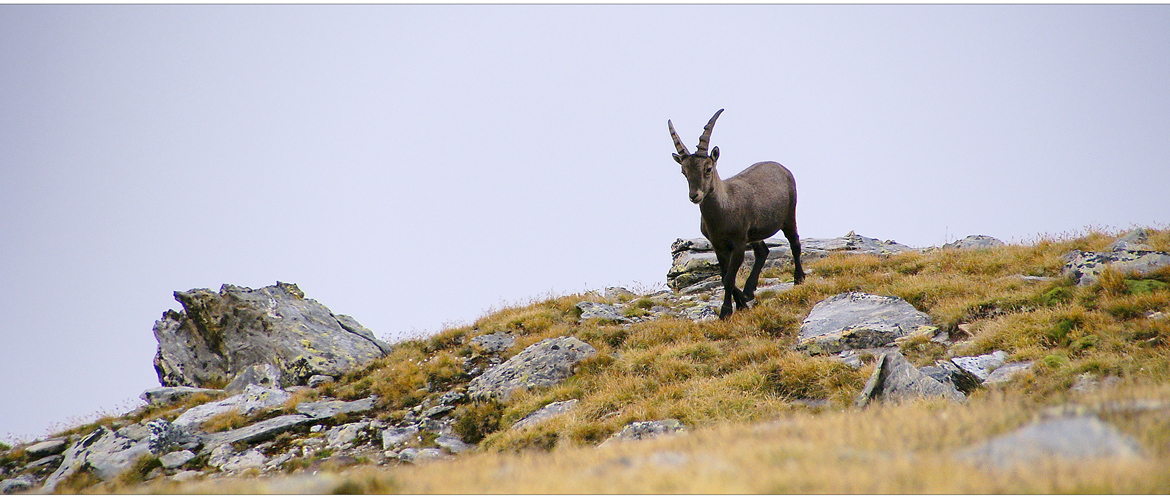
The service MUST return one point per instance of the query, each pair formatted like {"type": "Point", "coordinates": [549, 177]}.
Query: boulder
{"type": "Point", "coordinates": [895, 379]}
{"type": "Point", "coordinates": [265, 375]}
{"type": "Point", "coordinates": [693, 260]}
{"type": "Point", "coordinates": [544, 413]}
{"type": "Point", "coordinates": [319, 379]}
{"type": "Point", "coordinates": [452, 443]}
{"type": "Point", "coordinates": [175, 459]}
{"type": "Point", "coordinates": [980, 366]}
{"type": "Point", "coordinates": [104, 452]}
{"type": "Point", "coordinates": [342, 437]}
{"type": "Point", "coordinates": [1129, 254]}
{"type": "Point", "coordinates": [219, 335]}
{"type": "Point", "coordinates": [18, 484]}
{"type": "Point", "coordinates": [545, 363]}
{"type": "Point", "coordinates": [391, 437]}
{"type": "Point", "coordinates": [330, 408]}
{"type": "Point", "coordinates": [642, 430]}
{"type": "Point", "coordinates": [947, 372]}
{"type": "Point", "coordinates": [255, 432]}
{"type": "Point", "coordinates": [1134, 240]}
{"type": "Point", "coordinates": [850, 321]}
{"type": "Point", "coordinates": [224, 458]}
{"type": "Point", "coordinates": [42, 449]}
{"type": "Point", "coordinates": [492, 343]}
{"type": "Point", "coordinates": [171, 394]}
{"type": "Point", "coordinates": [253, 398]}
{"type": "Point", "coordinates": [1070, 438]}
{"type": "Point", "coordinates": [1006, 372]}
{"type": "Point", "coordinates": [974, 243]}
{"type": "Point", "coordinates": [590, 310]}
{"type": "Point", "coordinates": [412, 455]}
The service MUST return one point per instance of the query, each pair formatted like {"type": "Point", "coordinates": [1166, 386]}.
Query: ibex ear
{"type": "Point", "coordinates": [714, 154]}
{"type": "Point", "coordinates": [677, 157]}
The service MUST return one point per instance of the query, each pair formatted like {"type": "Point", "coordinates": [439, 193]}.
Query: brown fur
{"type": "Point", "coordinates": [740, 212]}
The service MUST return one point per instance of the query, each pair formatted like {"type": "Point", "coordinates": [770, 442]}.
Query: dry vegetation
{"type": "Point", "coordinates": [765, 419]}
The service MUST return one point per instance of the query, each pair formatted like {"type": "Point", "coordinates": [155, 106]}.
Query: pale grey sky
{"type": "Point", "coordinates": [415, 165]}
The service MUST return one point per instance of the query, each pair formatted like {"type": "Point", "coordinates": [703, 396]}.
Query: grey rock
{"type": "Point", "coordinates": [590, 310]}
{"type": "Point", "coordinates": [1006, 372]}
{"type": "Point", "coordinates": [452, 444]}
{"type": "Point", "coordinates": [412, 455]}
{"type": "Point", "coordinates": [330, 408]}
{"type": "Point", "coordinates": [175, 459]}
{"type": "Point", "coordinates": [950, 373]}
{"type": "Point", "coordinates": [858, 320]}
{"type": "Point", "coordinates": [220, 454]}
{"type": "Point", "coordinates": [451, 397]}
{"type": "Point", "coordinates": [693, 260]}
{"type": "Point", "coordinates": [136, 431]}
{"type": "Point", "coordinates": [980, 366]}
{"type": "Point", "coordinates": [162, 436]}
{"type": "Point", "coordinates": [253, 398]}
{"type": "Point", "coordinates": [492, 343]}
{"type": "Point", "coordinates": [700, 312]}
{"type": "Point", "coordinates": [74, 459]}
{"type": "Point", "coordinates": [437, 410]}
{"type": "Point", "coordinates": [41, 449]}
{"type": "Point", "coordinates": [218, 335]}
{"type": "Point", "coordinates": [111, 454]}
{"type": "Point", "coordinates": [1134, 240]}
{"type": "Point", "coordinates": [256, 432]}
{"type": "Point", "coordinates": [344, 435]}
{"type": "Point", "coordinates": [895, 379]}
{"type": "Point", "coordinates": [225, 459]}
{"type": "Point", "coordinates": [266, 375]}
{"type": "Point", "coordinates": [617, 293]}
{"type": "Point", "coordinates": [45, 462]}
{"type": "Point", "coordinates": [1071, 438]}
{"type": "Point", "coordinates": [545, 363]}
{"type": "Point", "coordinates": [319, 379]}
{"type": "Point", "coordinates": [974, 243]}
{"type": "Point", "coordinates": [17, 484]}
{"type": "Point", "coordinates": [1085, 267]}
{"type": "Point", "coordinates": [642, 430]}
{"type": "Point", "coordinates": [707, 285]}
{"type": "Point", "coordinates": [171, 394]}
{"type": "Point", "coordinates": [544, 413]}
{"type": "Point", "coordinates": [391, 437]}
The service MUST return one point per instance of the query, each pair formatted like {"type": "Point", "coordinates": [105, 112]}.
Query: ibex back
{"type": "Point", "coordinates": [739, 212]}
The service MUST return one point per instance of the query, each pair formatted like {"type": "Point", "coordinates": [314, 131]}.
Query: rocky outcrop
{"type": "Point", "coordinates": [1069, 438]}
{"type": "Point", "coordinates": [253, 398]}
{"type": "Point", "coordinates": [220, 335]}
{"type": "Point", "coordinates": [546, 412]}
{"type": "Point", "coordinates": [542, 364]}
{"type": "Point", "coordinates": [850, 321]}
{"type": "Point", "coordinates": [1129, 254]}
{"type": "Point", "coordinates": [974, 243]}
{"type": "Point", "coordinates": [105, 452]}
{"type": "Point", "coordinates": [894, 379]}
{"type": "Point", "coordinates": [693, 260]}
{"type": "Point", "coordinates": [642, 430]}
{"type": "Point", "coordinates": [590, 310]}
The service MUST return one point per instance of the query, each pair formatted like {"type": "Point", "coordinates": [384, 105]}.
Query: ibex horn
{"type": "Point", "coordinates": [678, 144]}
{"type": "Point", "coordinates": [702, 149]}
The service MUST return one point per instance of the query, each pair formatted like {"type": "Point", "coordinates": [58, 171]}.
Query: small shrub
{"type": "Point", "coordinates": [137, 472]}
{"type": "Point", "coordinates": [475, 421]}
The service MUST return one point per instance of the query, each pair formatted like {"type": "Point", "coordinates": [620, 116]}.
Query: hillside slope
{"type": "Point", "coordinates": [757, 416]}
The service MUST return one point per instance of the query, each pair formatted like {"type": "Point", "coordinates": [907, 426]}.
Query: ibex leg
{"type": "Point", "coordinates": [730, 292]}
{"type": "Point", "coordinates": [760, 250]}
{"type": "Point", "coordinates": [794, 243]}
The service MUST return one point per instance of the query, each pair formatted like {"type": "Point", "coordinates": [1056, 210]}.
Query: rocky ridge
{"type": "Point", "coordinates": [278, 433]}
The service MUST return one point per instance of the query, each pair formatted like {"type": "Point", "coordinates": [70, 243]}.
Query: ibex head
{"type": "Point", "coordinates": [699, 168]}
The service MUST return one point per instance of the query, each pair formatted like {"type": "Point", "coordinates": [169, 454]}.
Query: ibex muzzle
{"type": "Point", "coordinates": [739, 212]}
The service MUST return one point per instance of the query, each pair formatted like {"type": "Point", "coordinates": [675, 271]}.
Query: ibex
{"type": "Point", "coordinates": [739, 212]}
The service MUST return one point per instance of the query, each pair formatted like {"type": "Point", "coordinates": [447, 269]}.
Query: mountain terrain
{"type": "Point", "coordinates": [976, 367]}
